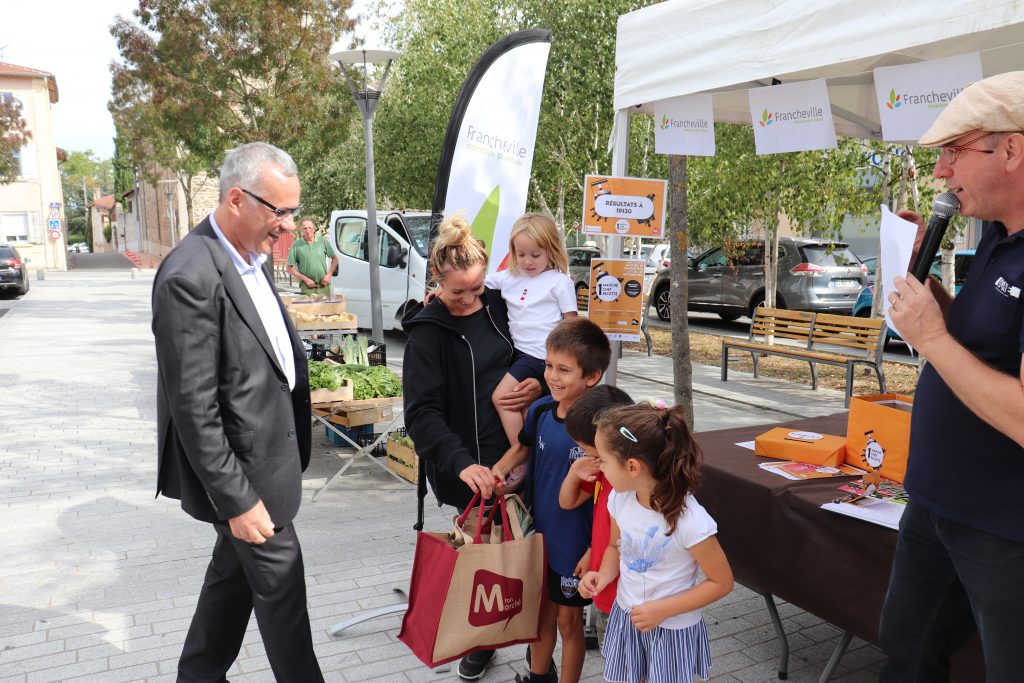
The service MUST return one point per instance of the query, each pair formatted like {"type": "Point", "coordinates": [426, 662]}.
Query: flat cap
{"type": "Point", "coordinates": [995, 105]}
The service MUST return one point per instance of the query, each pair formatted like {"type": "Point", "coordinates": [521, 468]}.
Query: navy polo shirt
{"type": "Point", "coordinates": [566, 532]}
{"type": "Point", "coordinates": [959, 467]}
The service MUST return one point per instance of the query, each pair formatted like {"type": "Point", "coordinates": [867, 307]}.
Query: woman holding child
{"type": "Point", "coordinates": [459, 349]}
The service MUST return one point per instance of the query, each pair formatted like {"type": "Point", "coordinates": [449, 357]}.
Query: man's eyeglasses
{"type": "Point", "coordinates": [279, 214]}
{"type": "Point", "coordinates": [950, 153]}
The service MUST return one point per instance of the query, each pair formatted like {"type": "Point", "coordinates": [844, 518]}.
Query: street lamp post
{"type": "Point", "coordinates": [367, 95]}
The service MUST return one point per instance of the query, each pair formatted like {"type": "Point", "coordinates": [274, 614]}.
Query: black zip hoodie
{"type": "Point", "coordinates": [439, 385]}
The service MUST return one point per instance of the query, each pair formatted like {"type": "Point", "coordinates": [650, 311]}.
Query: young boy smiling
{"type": "Point", "coordinates": [578, 353]}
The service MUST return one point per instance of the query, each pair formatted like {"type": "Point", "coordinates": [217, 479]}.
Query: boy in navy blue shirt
{"type": "Point", "coordinates": [578, 353]}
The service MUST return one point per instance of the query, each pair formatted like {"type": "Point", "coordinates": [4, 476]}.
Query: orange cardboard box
{"type": "Point", "coordinates": [810, 447]}
{"type": "Point", "coordinates": [878, 433]}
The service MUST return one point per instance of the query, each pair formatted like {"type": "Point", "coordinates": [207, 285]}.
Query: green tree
{"type": "Point", "coordinates": [80, 176]}
{"type": "Point", "coordinates": [198, 77]}
{"type": "Point", "coordinates": [441, 40]}
{"type": "Point", "coordinates": [14, 134]}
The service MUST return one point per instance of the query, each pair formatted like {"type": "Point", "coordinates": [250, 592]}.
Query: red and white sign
{"type": "Point", "coordinates": [55, 235]}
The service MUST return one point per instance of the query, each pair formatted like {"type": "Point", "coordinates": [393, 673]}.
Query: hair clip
{"type": "Point", "coordinates": [628, 434]}
{"type": "Point", "coordinates": [659, 404]}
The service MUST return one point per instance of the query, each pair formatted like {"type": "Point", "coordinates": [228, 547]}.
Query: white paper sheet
{"type": "Point", "coordinates": [749, 445]}
{"type": "Point", "coordinates": [881, 512]}
{"type": "Point", "coordinates": [897, 240]}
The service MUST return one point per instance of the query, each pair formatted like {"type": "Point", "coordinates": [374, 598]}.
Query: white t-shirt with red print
{"type": "Point", "coordinates": [535, 305]}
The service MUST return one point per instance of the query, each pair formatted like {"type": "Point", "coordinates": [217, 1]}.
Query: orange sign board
{"type": "Point", "coordinates": [624, 206]}
{"type": "Point", "coordinates": [617, 297]}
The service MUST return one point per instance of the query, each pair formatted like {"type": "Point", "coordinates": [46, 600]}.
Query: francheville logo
{"type": "Point", "coordinates": [494, 598]}
{"type": "Point", "coordinates": [894, 100]}
{"type": "Point", "coordinates": [766, 118]}
{"type": "Point", "coordinates": [664, 122]}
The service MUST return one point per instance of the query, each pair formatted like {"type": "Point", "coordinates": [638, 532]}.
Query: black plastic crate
{"type": "Point", "coordinates": [379, 355]}
{"type": "Point", "coordinates": [378, 451]}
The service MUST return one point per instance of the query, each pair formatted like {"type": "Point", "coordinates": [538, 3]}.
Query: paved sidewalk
{"type": "Point", "coordinates": [99, 579]}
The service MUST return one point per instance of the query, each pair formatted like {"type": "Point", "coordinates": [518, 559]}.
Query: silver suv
{"type": "Point", "coordinates": [814, 275]}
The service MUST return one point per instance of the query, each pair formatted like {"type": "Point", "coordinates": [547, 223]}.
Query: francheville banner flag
{"type": "Point", "coordinates": [488, 149]}
{"type": "Point", "coordinates": [795, 117]}
{"type": "Point", "coordinates": [911, 96]}
{"type": "Point", "coordinates": [685, 125]}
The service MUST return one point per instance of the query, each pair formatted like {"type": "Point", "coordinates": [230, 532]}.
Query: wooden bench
{"type": "Point", "coordinates": [841, 340]}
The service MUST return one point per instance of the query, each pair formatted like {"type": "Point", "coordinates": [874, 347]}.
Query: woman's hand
{"type": "Point", "coordinates": [480, 480]}
{"type": "Point", "coordinates": [521, 396]}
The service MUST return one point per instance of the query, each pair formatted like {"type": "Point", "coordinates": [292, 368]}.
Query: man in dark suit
{"type": "Point", "coordinates": [233, 418]}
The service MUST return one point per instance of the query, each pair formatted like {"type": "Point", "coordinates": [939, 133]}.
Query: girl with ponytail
{"type": "Point", "coordinates": [660, 537]}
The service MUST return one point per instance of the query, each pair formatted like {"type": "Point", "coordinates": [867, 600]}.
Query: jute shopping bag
{"type": "Point", "coordinates": [473, 589]}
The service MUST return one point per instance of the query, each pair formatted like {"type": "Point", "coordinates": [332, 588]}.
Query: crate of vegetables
{"type": "Point", "coordinates": [402, 458]}
{"type": "Point", "coordinates": [375, 390]}
{"type": "Point", "coordinates": [321, 315]}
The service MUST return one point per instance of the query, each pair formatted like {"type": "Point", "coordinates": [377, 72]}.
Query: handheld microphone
{"type": "Point", "coordinates": [943, 208]}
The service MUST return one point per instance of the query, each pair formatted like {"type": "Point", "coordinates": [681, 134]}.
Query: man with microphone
{"type": "Point", "coordinates": [959, 559]}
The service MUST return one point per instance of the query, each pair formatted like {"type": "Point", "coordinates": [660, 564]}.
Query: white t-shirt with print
{"type": "Point", "coordinates": [535, 305]}
{"type": "Point", "coordinates": [652, 565]}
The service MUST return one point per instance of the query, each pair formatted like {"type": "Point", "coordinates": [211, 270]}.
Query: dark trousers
{"type": "Point", "coordinates": [241, 578]}
{"type": "Point", "coordinates": [947, 580]}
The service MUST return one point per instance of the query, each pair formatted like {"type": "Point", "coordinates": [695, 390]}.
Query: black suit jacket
{"type": "Point", "coordinates": [230, 431]}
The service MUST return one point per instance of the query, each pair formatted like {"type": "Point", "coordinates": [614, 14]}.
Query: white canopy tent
{"type": "Point", "coordinates": [727, 47]}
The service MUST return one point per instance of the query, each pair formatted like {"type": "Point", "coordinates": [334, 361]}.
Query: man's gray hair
{"type": "Point", "coordinates": [243, 165]}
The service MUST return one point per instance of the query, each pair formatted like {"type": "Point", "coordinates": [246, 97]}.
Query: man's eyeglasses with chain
{"type": "Point", "coordinates": [950, 153]}
{"type": "Point", "coordinates": [279, 214]}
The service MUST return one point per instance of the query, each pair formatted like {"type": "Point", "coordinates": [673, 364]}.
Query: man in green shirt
{"type": "Point", "coordinates": [308, 258]}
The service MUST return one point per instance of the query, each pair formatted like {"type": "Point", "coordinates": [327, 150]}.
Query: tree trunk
{"type": "Point", "coordinates": [682, 369]}
{"type": "Point", "coordinates": [877, 298]}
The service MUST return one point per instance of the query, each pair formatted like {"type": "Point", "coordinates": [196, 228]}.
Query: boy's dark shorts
{"type": "Point", "coordinates": [565, 590]}
{"type": "Point", "coordinates": [525, 366]}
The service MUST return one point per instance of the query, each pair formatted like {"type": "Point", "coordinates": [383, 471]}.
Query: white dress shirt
{"type": "Point", "coordinates": [262, 294]}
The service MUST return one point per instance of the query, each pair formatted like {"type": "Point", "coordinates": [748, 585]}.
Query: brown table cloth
{"type": "Point", "coordinates": [779, 540]}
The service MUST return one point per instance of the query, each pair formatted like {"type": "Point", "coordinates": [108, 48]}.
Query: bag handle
{"type": "Point", "coordinates": [506, 531]}
{"type": "Point", "coordinates": [513, 519]}
{"type": "Point", "coordinates": [465, 514]}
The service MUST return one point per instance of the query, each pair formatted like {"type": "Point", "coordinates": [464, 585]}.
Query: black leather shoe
{"type": "Point", "coordinates": [473, 665]}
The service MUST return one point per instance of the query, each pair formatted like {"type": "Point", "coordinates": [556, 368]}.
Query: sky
{"type": "Point", "coordinates": [72, 41]}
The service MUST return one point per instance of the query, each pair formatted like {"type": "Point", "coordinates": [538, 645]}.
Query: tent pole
{"type": "Point", "coordinates": [620, 162]}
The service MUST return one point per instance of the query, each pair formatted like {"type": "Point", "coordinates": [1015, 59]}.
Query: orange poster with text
{"type": "Point", "coordinates": [616, 297]}
{"type": "Point", "coordinates": [624, 206]}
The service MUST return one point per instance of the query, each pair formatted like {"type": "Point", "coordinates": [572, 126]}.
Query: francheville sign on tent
{"type": "Point", "coordinates": [792, 118]}
{"type": "Point", "coordinates": [911, 96]}
{"type": "Point", "coordinates": [685, 125]}
{"type": "Point", "coordinates": [488, 147]}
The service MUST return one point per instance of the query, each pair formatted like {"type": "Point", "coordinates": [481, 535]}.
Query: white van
{"type": "Point", "coordinates": [403, 238]}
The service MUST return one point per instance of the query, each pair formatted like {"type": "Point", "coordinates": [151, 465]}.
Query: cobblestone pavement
{"type": "Point", "coordinates": [99, 578]}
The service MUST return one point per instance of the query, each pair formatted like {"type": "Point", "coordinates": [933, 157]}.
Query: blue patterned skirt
{"type": "Point", "coordinates": [663, 655]}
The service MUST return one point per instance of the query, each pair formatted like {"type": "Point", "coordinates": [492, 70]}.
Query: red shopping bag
{"type": "Point", "coordinates": [477, 588]}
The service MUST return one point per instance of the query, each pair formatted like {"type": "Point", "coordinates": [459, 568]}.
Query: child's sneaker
{"type": "Point", "coordinates": [473, 665]}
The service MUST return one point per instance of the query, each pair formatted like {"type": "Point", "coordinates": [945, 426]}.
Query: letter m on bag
{"type": "Point", "coordinates": [494, 598]}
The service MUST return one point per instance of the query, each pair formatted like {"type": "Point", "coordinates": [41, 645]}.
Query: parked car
{"type": "Point", "coordinates": [962, 260]}
{"type": "Point", "coordinates": [871, 263]}
{"type": "Point", "coordinates": [403, 239]}
{"type": "Point", "coordinates": [579, 271]}
{"type": "Point", "coordinates": [13, 270]}
{"type": "Point", "coordinates": [814, 275]}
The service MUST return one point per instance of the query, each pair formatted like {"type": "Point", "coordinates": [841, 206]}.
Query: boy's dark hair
{"type": "Point", "coordinates": [585, 342]}
{"type": "Point", "coordinates": [580, 421]}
